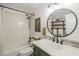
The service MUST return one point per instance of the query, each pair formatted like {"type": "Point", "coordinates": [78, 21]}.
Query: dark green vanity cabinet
{"type": "Point", "coordinates": [39, 52]}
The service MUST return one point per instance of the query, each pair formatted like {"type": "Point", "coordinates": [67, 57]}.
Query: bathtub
{"type": "Point", "coordinates": [13, 52]}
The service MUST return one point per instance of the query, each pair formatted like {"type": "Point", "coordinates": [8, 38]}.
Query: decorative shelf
{"type": "Point", "coordinates": [57, 24]}
{"type": "Point", "coordinates": [58, 28]}
{"type": "Point", "coordinates": [58, 21]}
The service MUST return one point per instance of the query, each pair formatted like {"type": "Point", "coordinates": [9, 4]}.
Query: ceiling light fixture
{"type": "Point", "coordinates": [53, 4]}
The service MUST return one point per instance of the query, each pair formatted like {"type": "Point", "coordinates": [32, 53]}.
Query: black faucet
{"type": "Point", "coordinates": [57, 40]}
{"type": "Point", "coordinates": [54, 39]}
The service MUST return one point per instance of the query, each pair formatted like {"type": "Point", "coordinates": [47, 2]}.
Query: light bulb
{"type": "Point", "coordinates": [20, 23]}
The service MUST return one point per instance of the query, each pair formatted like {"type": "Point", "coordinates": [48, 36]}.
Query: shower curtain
{"type": "Point", "coordinates": [13, 29]}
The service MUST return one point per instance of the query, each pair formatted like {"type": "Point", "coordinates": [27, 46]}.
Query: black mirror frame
{"type": "Point", "coordinates": [71, 31]}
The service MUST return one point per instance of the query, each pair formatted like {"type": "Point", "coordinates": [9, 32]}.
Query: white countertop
{"type": "Point", "coordinates": [56, 49]}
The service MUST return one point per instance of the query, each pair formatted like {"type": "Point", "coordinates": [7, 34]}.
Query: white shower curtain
{"type": "Point", "coordinates": [14, 31]}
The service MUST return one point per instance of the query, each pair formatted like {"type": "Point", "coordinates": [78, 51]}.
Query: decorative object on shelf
{"type": "Point", "coordinates": [36, 38]}
{"type": "Point", "coordinates": [37, 25]}
{"type": "Point", "coordinates": [44, 31]}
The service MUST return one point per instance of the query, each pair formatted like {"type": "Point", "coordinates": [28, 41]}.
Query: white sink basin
{"type": "Point", "coordinates": [56, 46]}
{"type": "Point", "coordinates": [47, 45]}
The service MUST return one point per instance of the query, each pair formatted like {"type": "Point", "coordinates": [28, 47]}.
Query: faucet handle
{"type": "Point", "coordinates": [61, 42]}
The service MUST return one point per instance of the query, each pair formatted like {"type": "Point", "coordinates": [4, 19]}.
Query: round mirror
{"type": "Point", "coordinates": [62, 22]}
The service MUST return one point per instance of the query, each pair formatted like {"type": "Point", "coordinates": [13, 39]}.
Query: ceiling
{"type": "Point", "coordinates": [29, 7]}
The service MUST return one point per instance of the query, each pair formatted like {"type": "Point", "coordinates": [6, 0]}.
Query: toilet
{"type": "Point", "coordinates": [26, 51]}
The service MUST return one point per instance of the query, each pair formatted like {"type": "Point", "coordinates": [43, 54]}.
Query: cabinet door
{"type": "Point", "coordinates": [39, 52]}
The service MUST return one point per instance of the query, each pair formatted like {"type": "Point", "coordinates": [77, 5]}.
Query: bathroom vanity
{"type": "Point", "coordinates": [45, 47]}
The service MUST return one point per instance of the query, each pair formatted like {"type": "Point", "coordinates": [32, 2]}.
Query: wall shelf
{"type": "Point", "coordinates": [58, 21]}
{"type": "Point", "coordinates": [57, 25]}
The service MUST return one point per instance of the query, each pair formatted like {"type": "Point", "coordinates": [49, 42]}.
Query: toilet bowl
{"type": "Point", "coordinates": [26, 51]}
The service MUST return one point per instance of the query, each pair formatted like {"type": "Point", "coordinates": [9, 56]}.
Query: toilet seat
{"type": "Point", "coordinates": [26, 51]}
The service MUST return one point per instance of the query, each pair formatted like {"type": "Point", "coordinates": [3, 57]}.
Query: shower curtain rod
{"type": "Point", "coordinates": [16, 10]}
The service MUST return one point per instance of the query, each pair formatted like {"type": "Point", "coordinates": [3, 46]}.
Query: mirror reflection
{"type": "Point", "coordinates": [62, 22]}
